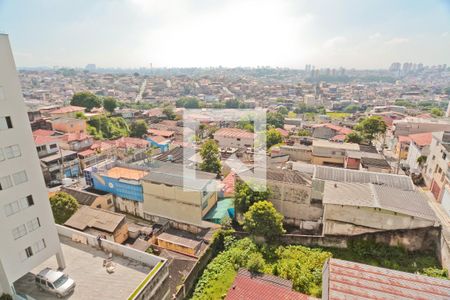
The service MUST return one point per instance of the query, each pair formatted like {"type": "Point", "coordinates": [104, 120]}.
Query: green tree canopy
{"type": "Point", "coordinates": [188, 102]}
{"type": "Point", "coordinates": [110, 104]}
{"type": "Point", "coordinates": [352, 108]}
{"type": "Point", "coordinates": [63, 206]}
{"type": "Point", "coordinates": [370, 127]}
{"type": "Point", "coordinates": [138, 128]}
{"type": "Point", "coordinates": [262, 219]}
{"type": "Point", "coordinates": [283, 110]}
{"type": "Point", "coordinates": [273, 137]}
{"type": "Point", "coordinates": [211, 157]}
{"type": "Point", "coordinates": [168, 111]}
{"type": "Point", "coordinates": [232, 103]}
{"type": "Point", "coordinates": [275, 119]}
{"type": "Point", "coordinates": [437, 112]}
{"type": "Point", "coordinates": [102, 127]}
{"type": "Point", "coordinates": [245, 196]}
{"type": "Point", "coordinates": [87, 100]}
{"type": "Point", "coordinates": [304, 132]}
{"type": "Point", "coordinates": [354, 137]}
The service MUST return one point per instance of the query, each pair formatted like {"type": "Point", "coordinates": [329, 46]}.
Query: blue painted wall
{"type": "Point", "coordinates": [162, 147]}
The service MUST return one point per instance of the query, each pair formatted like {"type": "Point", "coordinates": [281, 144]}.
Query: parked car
{"type": "Point", "coordinates": [55, 282]}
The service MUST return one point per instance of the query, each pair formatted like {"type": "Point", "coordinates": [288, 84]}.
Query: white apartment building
{"type": "Point", "coordinates": [27, 230]}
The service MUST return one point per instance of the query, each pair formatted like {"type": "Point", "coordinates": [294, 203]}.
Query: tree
{"type": "Point", "coordinates": [102, 127]}
{"type": "Point", "coordinates": [436, 112]}
{"type": "Point", "coordinates": [211, 157]}
{"type": "Point", "coordinates": [138, 128]}
{"type": "Point", "coordinates": [275, 119]}
{"type": "Point", "coordinates": [292, 115]}
{"type": "Point", "coordinates": [168, 111]}
{"type": "Point", "coordinates": [255, 263]}
{"type": "Point", "coordinates": [245, 196]}
{"type": "Point", "coordinates": [283, 110]}
{"type": "Point", "coordinates": [273, 137]}
{"type": "Point", "coordinates": [352, 108]}
{"type": "Point", "coordinates": [447, 91]}
{"type": "Point", "coordinates": [354, 137]}
{"type": "Point", "coordinates": [421, 160]}
{"type": "Point", "coordinates": [304, 132]}
{"type": "Point", "coordinates": [63, 206]}
{"type": "Point", "coordinates": [262, 219]}
{"type": "Point", "coordinates": [370, 127]}
{"type": "Point", "coordinates": [87, 100]}
{"type": "Point", "coordinates": [232, 103]}
{"type": "Point", "coordinates": [110, 104]}
{"type": "Point", "coordinates": [188, 102]}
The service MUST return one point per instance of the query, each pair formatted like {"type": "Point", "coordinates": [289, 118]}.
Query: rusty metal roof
{"type": "Point", "coordinates": [350, 280]}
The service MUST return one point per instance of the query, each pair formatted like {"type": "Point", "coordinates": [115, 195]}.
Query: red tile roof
{"type": "Point", "coordinates": [265, 287]}
{"type": "Point", "coordinates": [350, 280]}
{"type": "Point", "coordinates": [43, 132]}
{"type": "Point", "coordinates": [403, 139]}
{"type": "Point", "coordinates": [229, 183]}
{"type": "Point", "coordinates": [284, 133]}
{"type": "Point", "coordinates": [421, 139]}
{"type": "Point", "coordinates": [338, 138]}
{"type": "Point", "coordinates": [129, 142]}
{"type": "Point", "coordinates": [234, 133]}
{"type": "Point", "coordinates": [337, 128]}
{"type": "Point", "coordinates": [43, 139]}
{"type": "Point", "coordinates": [164, 133]}
{"type": "Point", "coordinates": [68, 109]}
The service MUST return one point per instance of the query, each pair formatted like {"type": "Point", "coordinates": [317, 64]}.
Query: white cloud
{"type": "Point", "coordinates": [335, 42]}
{"type": "Point", "coordinates": [397, 41]}
{"type": "Point", "coordinates": [375, 36]}
{"type": "Point", "coordinates": [445, 34]}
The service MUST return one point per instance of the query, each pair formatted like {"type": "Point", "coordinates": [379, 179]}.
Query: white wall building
{"type": "Point", "coordinates": [27, 230]}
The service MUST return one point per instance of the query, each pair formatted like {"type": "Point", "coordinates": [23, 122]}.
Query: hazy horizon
{"type": "Point", "coordinates": [128, 34]}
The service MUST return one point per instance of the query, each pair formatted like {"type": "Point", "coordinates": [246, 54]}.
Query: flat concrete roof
{"type": "Point", "coordinates": [126, 173]}
{"type": "Point", "coordinates": [84, 264]}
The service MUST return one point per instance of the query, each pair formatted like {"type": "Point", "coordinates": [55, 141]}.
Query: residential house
{"type": "Point", "coordinates": [91, 198]}
{"type": "Point", "coordinates": [436, 168]}
{"type": "Point", "coordinates": [169, 193]}
{"type": "Point", "coordinates": [330, 153]}
{"type": "Point", "coordinates": [419, 147]}
{"type": "Point", "coordinates": [412, 125]}
{"type": "Point", "coordinates": [56, 166]}
{"type": "Point", "coordinates": [99, 222]}
{"type": "Point", "coordinates": [69, 125]}
{"type": "Point", "coordinates": [180, 244]}
{"type": "Point", "coordinates": [234, 138]}
{"type": "Point", "coordinates": [329, 131]}
{"type": "Point", "coordinates": [76, 141]}
{"type": "Point", "coordinates": [67, 111]}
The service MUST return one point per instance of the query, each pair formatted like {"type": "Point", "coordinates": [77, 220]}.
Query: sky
{"type": "Point", "coordinates": [362, 34]}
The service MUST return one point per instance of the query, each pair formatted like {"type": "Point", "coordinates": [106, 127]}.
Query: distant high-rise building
{"type": "Point", "coordinates": [90, 67]}
{"type": "Point", "coordinates": [27, 230]}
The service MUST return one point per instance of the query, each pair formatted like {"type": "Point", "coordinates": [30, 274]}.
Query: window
{"type": "Point", "coordinates": [99, 206]}
{"type": "Point", "coordinates": [20, 177]}
{"type": "Point", "coordinates": [53, 146]}
{"type": "Point", "coordinates": [5, 123]}
{"type": "Point", "coordinates": [11, 208]}
{"type": "Point", "coordinates": [444, 155]}
{"type": "Point", "coordinates": [39, 246]}
{"type": "Point", "coordinates": [434, 156]}
{"type": "Point", "coordinates": [18, 205]}
{"type": "Point", "coordinates": [12, 151]}
{"type": "Point", "coordinates": [19, 231]}
{"type": "Point", "coordinates": [109, 201]}
{"type": "Point", "coordinates": [28, 252]}
{"type": "Point", "coordinates": [5, 182]}
{"type": "Point", "coordinates": [2, 156]}
{"type": "Point", "coordinates": [33, 224]}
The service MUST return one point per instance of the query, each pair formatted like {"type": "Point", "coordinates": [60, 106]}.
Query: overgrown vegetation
{"type": "Point", "coordinates": [102, 127]}
{"type": "Point", "coordinates": [63, 206]}
{"type": "Point", "coordinates": [302, 265]}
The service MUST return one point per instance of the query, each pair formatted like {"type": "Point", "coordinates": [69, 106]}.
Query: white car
{"type": "Point", "coordinates": [55, 282]}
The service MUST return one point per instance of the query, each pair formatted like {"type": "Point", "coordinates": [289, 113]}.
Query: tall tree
{"type": "Point", "coordinates": [110, 104]}
{"type": "Point", "coordinates": [63, 206]}
{"type": "Point", "coordinates": [354, 137]}
{"type": "Point", "coordinates": [275, 119]}
{"type": "Point", "coordinates": [371, 127]}
{"type": "Point", "coordinates": [273, 137]}
{"type": "Point", "coordinates": [262, 219]}
{"type": "Point", "coordinates": [211, 157]}
{"type": "Point", "coordinates": [87, 100]}
{"type": "Point", "coordinates": [168, 111]}
{"type": "Point", "coordinates": [138, 128]}
{"type": "Point", "coordinates": [245, 196]}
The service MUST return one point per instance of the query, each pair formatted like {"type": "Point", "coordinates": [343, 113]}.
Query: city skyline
{"type": "Point", "coordinates": [133, 34]}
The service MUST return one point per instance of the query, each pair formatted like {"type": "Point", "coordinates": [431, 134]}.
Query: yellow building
{"type": "Point", "coordinates": [185, 198]}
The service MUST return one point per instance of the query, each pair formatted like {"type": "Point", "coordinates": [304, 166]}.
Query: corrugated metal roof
{"type": "Point", "coordinates": [350, 280]}
{"type": "Point", "coordinates": [346, 175]}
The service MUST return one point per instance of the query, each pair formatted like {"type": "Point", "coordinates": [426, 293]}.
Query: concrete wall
{"type": "Point", "coordinates": [297, 153]}
{"type": "Point", "coordinates": [293, 202]}
{"type": "Point", "coordinates": [174, 203]}
{"type": "Point", "coordinates": [351, 220]}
